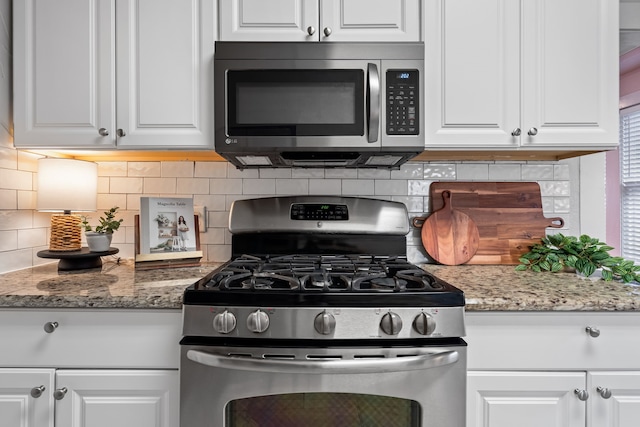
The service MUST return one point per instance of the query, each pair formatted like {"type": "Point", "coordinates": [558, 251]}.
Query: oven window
{"type": "Point", "coordinates": [295, 102]}
{"type": "Point", "coordinates": [323, 410]}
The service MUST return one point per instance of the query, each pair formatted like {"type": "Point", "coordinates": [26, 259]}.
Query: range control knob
{"type": "Point", "coordinates": [424, 324]}
{"type": "Point", "coordinates": [391, 323]}
{"type": "Point", "coordinates": [258, 322]}
{"type": "Point", "coordinates": [325, 323]}
{"type": "Point", "coordinates": [224, 322]}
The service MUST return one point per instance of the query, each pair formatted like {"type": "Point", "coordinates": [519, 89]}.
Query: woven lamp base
{"type": "Point", "coordinates": [66, 234]}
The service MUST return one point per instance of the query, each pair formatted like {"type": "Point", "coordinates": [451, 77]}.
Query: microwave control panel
{"type": "Point", "coordinates": [402, 102]}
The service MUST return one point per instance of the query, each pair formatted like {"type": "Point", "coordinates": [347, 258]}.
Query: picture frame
{"type": "Point", "coordinates": [167, 232]}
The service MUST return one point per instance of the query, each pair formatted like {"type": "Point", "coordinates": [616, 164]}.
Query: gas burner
{"type": "Point", "coordinates": [325, 281]}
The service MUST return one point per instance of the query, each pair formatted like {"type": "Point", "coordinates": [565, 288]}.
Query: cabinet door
{"type": "Point", "coordinates": [273, 20]}
{"type": "Point", "coordinates": [619, 409]}
{"type": "Point", "coordinates": [472, 73]}
{"type": "Point", "coordinates": [570, 73]}
{"type": "Point", "coordinates": [64, 84]}
{"type": "Point", "coordinates": [525, 399]}
{"type": "Point", "coordinates": [122, 398]}
{"type": "Point", "coordinates": [165, 73]}
{"type": "Point", "coordinates": [26, 397]}
{"type": "Point", "coordinates": [367, 20]}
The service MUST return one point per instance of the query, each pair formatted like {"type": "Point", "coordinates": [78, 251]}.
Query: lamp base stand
{"type": "Point", "coordinates": [66, 234]}
{"type": "Point", "coordinates": [78, 260]}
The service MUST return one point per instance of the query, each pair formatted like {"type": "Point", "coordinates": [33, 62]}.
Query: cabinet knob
{"type": "Point", "coordinates": [60, 393]}
{"type": "Point", "coordinates": [103, 132]}
{"type": "Point", "coordinates": [516, 132]}
{"type": "Point", "coordinates": [49, 327]}
{"type": "Point", "coordinates": [582, 394]}
{"type": "Point", "coordinates": [327, 31]}
{"type": "Point", "coordinates": [37, 391]}
{"type": "Point", "coordinates": [605, 393]}
{"type": "Point", "coordinates": [311, 30]}
{"type": "Point", "coordinates": [592, 331]}
{"type": "Point", "coordinates": [121, 133]}
{"type": "Point", "coordinates": [533, 132]}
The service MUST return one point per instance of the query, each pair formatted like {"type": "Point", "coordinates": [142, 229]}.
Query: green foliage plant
{"type": "Point", "coordinates": [584, 254]}
{"type": "Point", "coordinates": [107, 223]}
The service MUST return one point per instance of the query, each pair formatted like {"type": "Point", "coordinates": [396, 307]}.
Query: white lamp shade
{"type": "Point", "coordinates": [67, 185]}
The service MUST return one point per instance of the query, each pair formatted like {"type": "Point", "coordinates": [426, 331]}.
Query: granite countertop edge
{"type": "Point", "coordinates": [487, 288]}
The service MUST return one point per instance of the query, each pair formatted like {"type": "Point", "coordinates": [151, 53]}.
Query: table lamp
{"type": "Point", "coordinates": [66, 185]}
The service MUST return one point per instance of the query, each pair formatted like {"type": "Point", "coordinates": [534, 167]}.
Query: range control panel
{"type": "Point", "coordinates": [318, 211]}
{"type": "Point", "coordinates": [402, 102]}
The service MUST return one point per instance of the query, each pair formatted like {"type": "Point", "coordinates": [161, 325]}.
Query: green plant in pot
{"type": "Point", "coordinates": [99, 239]}
{"type": "Point", "coordinates": [585, 255]}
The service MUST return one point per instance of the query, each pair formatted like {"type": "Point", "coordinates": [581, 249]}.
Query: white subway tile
{"type": "Point", "coordinates": [325, 186]}
{"type": "Point", "coordinates": [472, 172]}
{"type": "Point", "coordinates": [125, 185]}
{"type": "Point", "coordinates": [561, 204]}
{"type": "Point", "coordinates": [292, 186]}
{"type": "Point", "coordinates": [160, 185]}
{"type": "Point", "coordinates": [112, 168]}
{"type": "Point", "coordinates": [537, 172]}
{"type": "Point", "coordinates": [225, 186]}
{"type": "Point", "coordinates": [409, 171]}
{"type": "Point", "coordinates": [192, 185]}
{"type": "Point", "coordinates": [32, 237]}
{"type": "Point", "coordinates": [8, 158]}
{"type": "Point", "coordinates": [413, 204]}
{"type": "Point", "coordinates": [504, 172]}
{"type": "Point", "coordinates": [27, 199]}
{"type": "Point", "coordinates": [275, 173]}
{"type": "Point", "coordinates": [390, 187]}
{"type": "Point", "coordinates": [16, 260]}
{"type": "Point", "coordinates": [11, 179]}
{"type": "Point", "coordinates": [211, 169]}
{"type": "Point", "coordinates": [8, 199]}
{"type": "Point", "coordinates": [340, 173]}
{"type": "Point", "coordinates": [211, 202]}
{"type": "Point", "coordinates": [107, 201]}
{"type": "Point", "coordinates": [358, 187]}
{"type": "Point", "coordinates": [439, 171]}
{"type": "Point", "coordinates": [562, 172]}
{"type": "Point", "coordinates": [219, 219]}
{"type": "Point", "coordinates": [144, 169]}
{"type": "Point", "coordinates": [374, 174]}
{"type": "Point", "coordinates": [258, 186]}
{"type": "Point", "coordinates": [177, 169]}
{"type": "Point", "coordinates": [12, 219]}
{"type": "Point", "coordinates": [555, 188]}
{"type": "Point", "coordinates": [28, 161]}
{"type": "Point", "coordinates": [8, 240]}
{"type": "Point", "coordinates": [307, 173]}
{"type": "Point", "coordinates": [418, 187]}
{"type": "Point", "coordinates": [218, 253]}
{"type": "Point", "coordinates": [233, 172]}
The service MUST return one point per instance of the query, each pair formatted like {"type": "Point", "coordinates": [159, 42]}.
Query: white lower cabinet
{"type": "Point", "coordinates": [89, 398]}
{"type": "Point", "coordinates": [89, 368]}
{"type": "Point", "coordinates": [553, 369]}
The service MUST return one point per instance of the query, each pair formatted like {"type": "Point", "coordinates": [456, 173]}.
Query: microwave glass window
{"type": "Point", "coordinates": [295, 102]}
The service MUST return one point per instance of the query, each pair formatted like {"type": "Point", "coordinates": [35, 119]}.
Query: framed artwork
{"type": "Point", "coordinates": [167, 232]}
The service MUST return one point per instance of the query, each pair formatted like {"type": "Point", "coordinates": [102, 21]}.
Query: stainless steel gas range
{"type": "Point", "coordinates": [318, 319]}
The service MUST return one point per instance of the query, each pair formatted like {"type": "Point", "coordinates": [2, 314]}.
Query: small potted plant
{"type": "Point", "coordinates": [584, 254]}
{"type": "Point", "coordinates": [99, 239]}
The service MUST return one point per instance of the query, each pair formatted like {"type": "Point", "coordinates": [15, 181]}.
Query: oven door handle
{"type": "Point", "coordinates": [351, 366]}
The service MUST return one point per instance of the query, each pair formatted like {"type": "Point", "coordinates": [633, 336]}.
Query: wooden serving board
{"type": "Point", "coordinates": [508, 215]}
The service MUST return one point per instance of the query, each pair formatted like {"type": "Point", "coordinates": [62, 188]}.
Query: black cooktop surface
{"type": "Point", "coordinates": [322, 280]}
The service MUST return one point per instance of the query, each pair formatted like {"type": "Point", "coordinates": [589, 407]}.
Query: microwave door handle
{"type": "Point", "coordinates": [352, 366]}
{"type": "Point", "coordinates": [373, 101]}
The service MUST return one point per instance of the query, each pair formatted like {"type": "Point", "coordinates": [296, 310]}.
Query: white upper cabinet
{"type": "Point", "coordinates": [528, 74]}
{"type": "Point", "coordinates": [115, 73]}
{"type": "Point", "coordinates": [320, 20]}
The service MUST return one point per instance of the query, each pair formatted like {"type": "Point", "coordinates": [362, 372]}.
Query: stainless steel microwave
{"type": "Point", "coordinates": [303, 104]}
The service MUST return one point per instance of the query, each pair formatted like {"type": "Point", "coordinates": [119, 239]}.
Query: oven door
{"type": "Point", "coordinates": [412, 386]}
{"type": "Point", "coordinates": [297, 104]}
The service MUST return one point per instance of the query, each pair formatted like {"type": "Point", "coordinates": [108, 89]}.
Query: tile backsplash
{"type": "Point", "coordinates": [215, 185]}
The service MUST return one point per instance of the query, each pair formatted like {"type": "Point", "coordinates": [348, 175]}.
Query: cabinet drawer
{"type": "Point", "coordinates": [90, 338]}
{"type": "Point", "coordinates": [552, 340]}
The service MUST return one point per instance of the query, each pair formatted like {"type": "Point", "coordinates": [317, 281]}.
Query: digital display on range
{"type": "Point", "coordinates": [314, 211]}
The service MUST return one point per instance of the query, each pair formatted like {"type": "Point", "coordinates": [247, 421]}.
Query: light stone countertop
{"type": "Point", "coordinates": [487, 288]}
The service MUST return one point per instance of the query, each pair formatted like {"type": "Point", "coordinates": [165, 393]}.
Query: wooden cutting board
{"type": "Point", "coordinates": [449, 236]}
{"type": "Point", "coordinates": [508, 215]}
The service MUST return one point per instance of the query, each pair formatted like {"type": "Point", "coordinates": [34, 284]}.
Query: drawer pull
{"type": "Point", "coordinates": [37, 391]}
{"type": "Point", "coordinates": [605, 393]}
{"type": "Point", "coordinates": [60, 393]}
{"type": "Point", "coordinates": [593, 332]}
{"type": "Point", "coordinates": [49, 327]}
{"type": "Point", "coordinates": [582, 394]}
